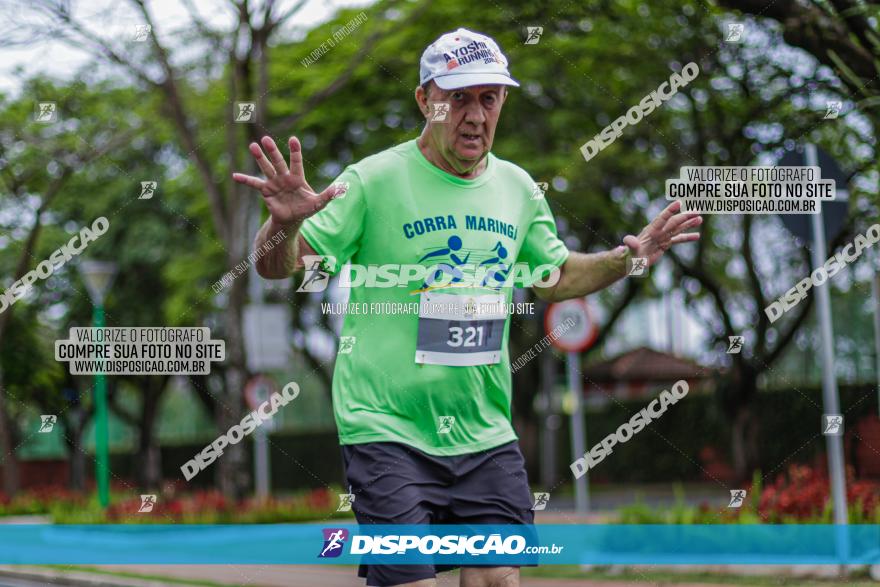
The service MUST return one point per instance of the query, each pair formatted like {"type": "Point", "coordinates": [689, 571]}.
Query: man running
{"type": "Point", "coordinates": [422, 403]}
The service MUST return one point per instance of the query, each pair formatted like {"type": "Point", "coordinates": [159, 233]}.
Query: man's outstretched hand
{"type": "Point", "coordinates": [288, 196]}
{"type": "Point", "coordinates": [666, 230]}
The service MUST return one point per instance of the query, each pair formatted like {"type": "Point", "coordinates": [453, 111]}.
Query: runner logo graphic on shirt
{"type": "Point", "coordinates": [453, 244]}
{"type": "Point", "coordinates": [448, 261]}
{"type": "Point", "coordinates": [498, 270]}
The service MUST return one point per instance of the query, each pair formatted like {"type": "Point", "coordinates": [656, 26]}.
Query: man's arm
{"type": "Point", "coordinates": [285, 257]}
{"type": "Point", "coordinates": [583, 274]}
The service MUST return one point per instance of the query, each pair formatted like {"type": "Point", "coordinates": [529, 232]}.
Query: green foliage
{"type": "Point", "coordinates": [669, 449]}
{"type": "Point", "coordinates": [801, 496]}
{"type": "Point", "coordinates": [594, 61]}
{"type": "Point", "coordinates": [27, 357]}
{"type": "Point", "coordinates": [205, 508]}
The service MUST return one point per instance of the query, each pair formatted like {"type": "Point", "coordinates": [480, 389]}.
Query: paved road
{"type": "Point", "coordinates": [338, 576]}
{"type": "Point", "coordinates": [256, 576]}
{"type": "Point", "coordinates": [22, 583]}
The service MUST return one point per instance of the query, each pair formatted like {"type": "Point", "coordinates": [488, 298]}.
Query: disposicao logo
{"type": "Point", "coordinates": [334, 540]}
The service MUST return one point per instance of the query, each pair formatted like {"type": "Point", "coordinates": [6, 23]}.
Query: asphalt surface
{"type": "Point", "coordinates": [25, 583]}
{"type": "Point", "coordinates": [342, 576]}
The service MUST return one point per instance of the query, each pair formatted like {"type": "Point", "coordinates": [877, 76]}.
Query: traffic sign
{"type": "Point", "coordinates": [257, 390]}
{"type": "Point", "coordinates": [834, 212]}
{"type": "Point", "coordinates": [267, 336]}
{"type": "Point", "coordinates": [576, 330]}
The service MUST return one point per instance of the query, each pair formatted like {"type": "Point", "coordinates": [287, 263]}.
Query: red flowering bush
{"type": "Point", "coordinates": [800, 495]}
{"type": "Point", "coordinates": [38, 500]}
{"type": "Point", "coordinates": [803, 495]}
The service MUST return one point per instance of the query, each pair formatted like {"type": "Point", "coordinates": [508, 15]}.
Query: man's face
{"type": "Point", "coordinates": [465, 136]}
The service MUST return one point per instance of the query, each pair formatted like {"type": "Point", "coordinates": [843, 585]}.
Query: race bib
{"type": "Point", "coordinates": [460, 330]}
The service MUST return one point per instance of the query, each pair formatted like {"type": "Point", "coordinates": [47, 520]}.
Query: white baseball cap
{"type": "Point", "coordinates": [464, 58]}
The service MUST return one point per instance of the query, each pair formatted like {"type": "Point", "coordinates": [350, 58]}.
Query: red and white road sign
{"type": "Point", "coordinates": [258, 389]}
{"type": "Point", "coordinates": [576, 330]}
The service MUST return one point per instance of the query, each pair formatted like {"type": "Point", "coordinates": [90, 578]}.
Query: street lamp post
{"type": "Point", "coordinates": [98, 276]}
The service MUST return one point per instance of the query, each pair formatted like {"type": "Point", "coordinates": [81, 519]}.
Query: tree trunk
{"type": "Point", "coordinates": [149, 474]}
{"type": "Point", "coordinates": [76, 452]}
{"type": "Point", "coordinates": [7, 458]}
{"type": "Point", "coordinates": [744, 428]}
{"type": "Point", "coordinates": [738, 444]}
{"type": "Point", "coordinates": [151, 456]}
{"type": "Point", "coordinates": [233, 475]}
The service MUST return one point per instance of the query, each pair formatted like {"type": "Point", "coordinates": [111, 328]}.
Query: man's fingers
{"type": "Point", "coordinates": [275, 156]}
{"type": "Point", "coordinates": [678, 220]}
{"type": "Point", "coordinates": [684, 225]}
{"type": "Point", "coordinates": [333, 191]}
{"type": "Point", "coordinates": [262, 162]}
{"type": "Point", "coordinates": [667, 213]}
{"type": "Point", "coordinates": [631, 241]}
{"type": "Point", "coordinates": [296, 157]}
{"type": "Point", "coordinates": [685, 237]}
{"type": "Point", "coordinates": [249, 180]}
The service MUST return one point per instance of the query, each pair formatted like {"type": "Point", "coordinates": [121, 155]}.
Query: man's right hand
{"type": "Point", "coordinates": [288, 196]}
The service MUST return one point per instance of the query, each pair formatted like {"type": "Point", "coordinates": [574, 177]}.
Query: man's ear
{"type": "Point", "coordinates": [422, 100]}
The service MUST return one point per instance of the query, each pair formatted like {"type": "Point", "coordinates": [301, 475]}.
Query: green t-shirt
{"type": "Point", "coordinates": [401, 209]}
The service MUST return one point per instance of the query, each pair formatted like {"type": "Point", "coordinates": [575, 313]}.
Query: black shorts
{"type": "Point", "coordinates": [396, 484]}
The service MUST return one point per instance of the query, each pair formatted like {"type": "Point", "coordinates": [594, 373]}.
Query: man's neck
{"type": "Point", "coordinates": [434, 157]}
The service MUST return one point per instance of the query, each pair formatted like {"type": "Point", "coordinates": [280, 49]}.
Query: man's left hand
{"type": "Point", "coordinates": [666, 230]}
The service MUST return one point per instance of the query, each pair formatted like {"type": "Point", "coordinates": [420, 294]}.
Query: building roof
{"type": "Point", "coordinates": [645, 364]}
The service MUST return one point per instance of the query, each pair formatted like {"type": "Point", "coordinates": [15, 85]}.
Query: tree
{"type": "Point", "coordinates": [781, 95]}
{"type": "Point", "coordinates": [38, 163]}
{"type": "Point", "coordinates": [589, 68]}
{"type": "Point", "coordinates": [841, 34]}
{"type": "Point", "coordinates": [241, 52]}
